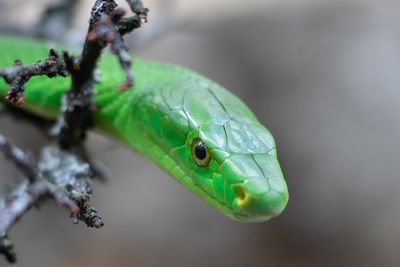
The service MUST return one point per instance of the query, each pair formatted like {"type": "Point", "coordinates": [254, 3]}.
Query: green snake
{"type": "Point", "coordinates": [192, 128]}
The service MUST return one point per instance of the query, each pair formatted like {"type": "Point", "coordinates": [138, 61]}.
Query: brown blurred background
{"type": "Point", "coordinates": [323, 75]}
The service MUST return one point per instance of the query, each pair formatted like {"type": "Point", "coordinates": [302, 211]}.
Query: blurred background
{"type": "Point", "coordinates": [323, 75]}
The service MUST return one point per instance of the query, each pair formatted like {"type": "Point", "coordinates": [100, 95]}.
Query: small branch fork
{"type": "Point", "coordinates": [64, 173]}
{"type": "Point", "coordinates": [20, 74]}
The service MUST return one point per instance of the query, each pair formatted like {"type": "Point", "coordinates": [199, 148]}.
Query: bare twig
{"type": "Point", "coordinates": [7, 248]}
{"type": "Point", "coordinates": [76, 118]}
{"type": "Point", "coordinates": [19, 74]}
{"type": "Point", "coordinates": [106, 29]}
{"type": "Point", "coordinates": [60, 175]}
{"type": "Point", "coordinates": [16, 204]}
{"type": "Point", "coordinates": [69, 182]}
{"type": "Point", "coordinates": [24, 161]}
{"type": "Point", "coordinates": [64, 173]}
{"type": "Point", "coordinates": [138, 8]}
{"type": "Point", "coordinates": [131, 23]}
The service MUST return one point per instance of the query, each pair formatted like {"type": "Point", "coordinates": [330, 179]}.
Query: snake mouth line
{"type": "Point", "coordinates": [233, 211]}
{"type": "Point", "coordinates": [187, 181]}
{"type": "Point", "coordinates": [223, 207]}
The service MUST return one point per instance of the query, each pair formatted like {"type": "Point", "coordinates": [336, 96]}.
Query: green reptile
{"type": "Point", "coordinates": [192, 128]}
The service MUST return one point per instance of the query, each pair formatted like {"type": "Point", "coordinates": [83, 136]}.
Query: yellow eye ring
{"type": "Point", "coordinates": [200, 153]}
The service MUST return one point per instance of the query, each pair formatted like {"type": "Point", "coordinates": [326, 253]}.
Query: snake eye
{"type": "Point", "coordinates": [200, 153]}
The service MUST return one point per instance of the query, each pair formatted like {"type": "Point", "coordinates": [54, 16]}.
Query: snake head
{"type": "Point", "coordinates": [211, 142]}
{"type": "Point", "coordinates": [240, 175]}
{"type": "Point", "coordinates": [232, 157]}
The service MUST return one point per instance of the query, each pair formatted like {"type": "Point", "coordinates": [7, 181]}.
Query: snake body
{"type": "Point", "coordinates": [192, 128]}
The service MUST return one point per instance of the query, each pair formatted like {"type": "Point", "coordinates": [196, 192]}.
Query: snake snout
{"type": "Point", "coordinates": [256, 200]}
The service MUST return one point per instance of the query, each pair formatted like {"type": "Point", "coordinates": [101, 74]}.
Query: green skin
{"type": "Point", "coordinates": [168, 108]}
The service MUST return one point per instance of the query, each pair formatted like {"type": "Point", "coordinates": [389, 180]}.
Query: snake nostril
{"type": "Point", "coordinates": [240, 194]}
{"type": "Point", "coordinates": [242, 198]}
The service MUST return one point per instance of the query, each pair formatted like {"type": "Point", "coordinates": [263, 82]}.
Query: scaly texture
{"type": "Point", "coordinates": [162, 117]}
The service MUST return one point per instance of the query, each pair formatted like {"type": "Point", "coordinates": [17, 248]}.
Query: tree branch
{"type": "Point", "coordinates": [64, 173]}
{"type": "Point", "coordinates": [103, 30]}
{"type": "Point", "coordinates": [7, 248]}
{"type": "Point", "coordinates": [61, 175]}
{"type": "Point", "coordinates": [23, 161]}
{"type": "Point", "coordinates": [20, 74]}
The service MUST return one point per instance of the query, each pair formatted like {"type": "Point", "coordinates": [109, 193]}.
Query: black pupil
{"type": "Point", "coordinates": [200, 151]}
